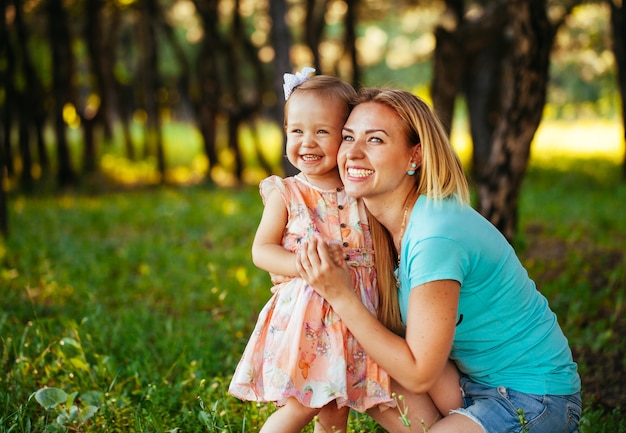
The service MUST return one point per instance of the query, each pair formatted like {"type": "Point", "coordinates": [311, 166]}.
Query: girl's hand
{"type": "Point", "coordinates": [336, 252]}
{"type": "Point", "coordinates": [319, 265]}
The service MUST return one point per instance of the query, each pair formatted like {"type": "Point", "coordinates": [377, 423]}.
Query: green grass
{"type": "Point", "coordinates": [141, 301]}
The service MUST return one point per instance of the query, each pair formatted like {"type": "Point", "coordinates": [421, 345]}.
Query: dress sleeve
{"type": "Point", "coordinates": [270, 183]}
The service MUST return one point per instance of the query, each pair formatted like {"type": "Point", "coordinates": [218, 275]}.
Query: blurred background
{"type": "Point", "coordinates": [188, 91]}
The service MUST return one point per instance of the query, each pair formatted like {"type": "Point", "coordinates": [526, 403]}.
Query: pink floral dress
{"type": "Point", "coordinates": [299, 347]}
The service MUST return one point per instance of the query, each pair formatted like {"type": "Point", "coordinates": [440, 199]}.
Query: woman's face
{"type": "Point", "coordinates": [375, 156]}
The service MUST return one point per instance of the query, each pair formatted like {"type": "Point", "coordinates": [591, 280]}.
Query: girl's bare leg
{"type": "Point", "coordinates": [332, 419]}
{"type": "Point", "coordinates": [291, 418]}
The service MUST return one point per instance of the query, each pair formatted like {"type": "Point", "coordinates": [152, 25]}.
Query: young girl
{"type": "Point", "coordinates": [300, 355]}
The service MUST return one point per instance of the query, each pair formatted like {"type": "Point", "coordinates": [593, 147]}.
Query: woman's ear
{"type": "Point", "coordinates": [417, 154]}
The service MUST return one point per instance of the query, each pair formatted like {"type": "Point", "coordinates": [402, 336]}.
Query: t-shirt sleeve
{"type": "Point", "coordinates": [437, 258]}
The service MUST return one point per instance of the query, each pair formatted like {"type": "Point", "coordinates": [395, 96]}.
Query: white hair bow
{"type": "Point", "coordinates": [292, 81]}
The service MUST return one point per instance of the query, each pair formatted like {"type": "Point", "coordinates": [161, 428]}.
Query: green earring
{"type": "Point", "coordinates": [411, 172]}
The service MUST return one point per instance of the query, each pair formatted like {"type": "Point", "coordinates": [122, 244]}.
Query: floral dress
{"type": "Point", "coordinates": [299, 347]}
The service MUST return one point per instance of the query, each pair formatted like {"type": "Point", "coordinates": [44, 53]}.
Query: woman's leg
{"type": "Point", "coordinates": [447, 394]}
{"type": "Point", "coordinates": [332, 419]}
{"type": "Point", "coordinates": [292, 417]}
{"type": "Point", "coordinates": [429, 411]}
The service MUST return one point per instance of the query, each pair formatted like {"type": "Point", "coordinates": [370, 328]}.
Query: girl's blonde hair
{"type": "Point", "coordinates": [328, 87]}
{"type": "Point", "coordinates": [440, 176]}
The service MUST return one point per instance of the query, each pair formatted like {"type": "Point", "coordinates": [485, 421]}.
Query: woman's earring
{"type": "Point", "coordinates": [411, 172]}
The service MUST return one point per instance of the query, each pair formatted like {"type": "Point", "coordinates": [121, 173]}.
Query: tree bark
{"type": "Point", "coordinates": [7, 109]}
{"type": "Point", "coordinates": [121, 92]}
{"type": "Point", "coordinates": [91, 116]}
{"type": "Point", "coordinates": [314, 22]}
{"type": "Point", "coordinates": [150, 73]}
{"type": "Point", "coordinates": [243, 95]}
{"type": "Point", "coordinates": [350, 41]}
{"type": "Point", "coordinates": [281, 41]}
{"type": "Point", "coordinates": [523, 94]}
{"type": "Point", "coordinates": [448, 68]}
{"type": "Point", "coordinates": [206, 92]}
{"type": "Point", "coordinates": [33, 94]}
{"type": "Point", "coordinates": [62, 72]}
{"type": "Point", "coordinates": [618, 26]}
{"type": "Point", "coordinates": [501, 63]}
{"type": "Point", "coordinates": [4, 133]}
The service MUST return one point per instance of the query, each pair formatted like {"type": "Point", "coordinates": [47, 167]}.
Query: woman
{"type": "Point", "coordinates": [462, 292]}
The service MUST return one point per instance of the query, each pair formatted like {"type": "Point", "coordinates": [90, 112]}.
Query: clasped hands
{"type": "Point", "coordinates": [323, 266]}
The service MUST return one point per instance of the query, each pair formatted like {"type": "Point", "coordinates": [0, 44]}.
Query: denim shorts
{"type": "Point", "coordinates": [503, 410]}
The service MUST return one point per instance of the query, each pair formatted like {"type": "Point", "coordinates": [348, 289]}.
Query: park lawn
{"type": "Point", "coordinates": [140, 301]}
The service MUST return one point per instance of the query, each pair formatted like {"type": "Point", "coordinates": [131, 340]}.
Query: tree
{"type": "Point", "coordinates": [205, 93]}
{"type": "Point", "coordinates": [150, 15]}
{"type": "Point", "coordinates": [500, 62]}
{"type": "Point", "coordinates": [281, 41]}
{"type": "Point", "coordinates": [95, 114]}
{"type": "Point", "coordinates": [62, 88]}
{"type": "Point", "coordinates": [618, 27]}
{"type": "Point", "coordinates": [4, 223]}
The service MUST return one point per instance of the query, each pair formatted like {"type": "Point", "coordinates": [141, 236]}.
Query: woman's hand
{"type": "Point", "coordinates": [323, 267]}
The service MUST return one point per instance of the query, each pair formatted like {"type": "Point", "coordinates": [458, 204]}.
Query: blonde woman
{"type": "Point", "coordinates": [462, 292]}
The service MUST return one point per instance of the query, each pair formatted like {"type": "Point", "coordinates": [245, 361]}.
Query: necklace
{"type": "Point", "coordinates": [402, 227]}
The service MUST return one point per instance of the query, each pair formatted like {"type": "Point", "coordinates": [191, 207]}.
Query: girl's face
{"type": "Point", "coordinates": [313, 132]}
{"type": "Point", "coordinates": [375, 156]}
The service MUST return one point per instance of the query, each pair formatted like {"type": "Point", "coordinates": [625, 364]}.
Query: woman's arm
{"type": "Point", "coordinates": [267, 250]}
{"type": "Point", "coordinates": [415, 361]}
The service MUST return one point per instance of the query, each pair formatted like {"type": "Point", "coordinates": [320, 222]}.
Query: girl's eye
{"type": "Point", "coordinates": [348, 138]}
{"type": "Point", "coordinates": [375, 140]}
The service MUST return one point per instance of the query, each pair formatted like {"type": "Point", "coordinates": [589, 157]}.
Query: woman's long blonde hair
{"type": "Point", "coordinates": [440, 176]}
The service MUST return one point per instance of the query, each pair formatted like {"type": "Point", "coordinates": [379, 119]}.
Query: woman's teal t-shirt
{"type": "Point", "coordinates": [506, 334]}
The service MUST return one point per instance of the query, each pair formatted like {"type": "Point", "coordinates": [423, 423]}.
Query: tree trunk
{"type": "Point", "coordinates": [7, 109]}
{"type": "Point", "coordinates": [281, 41]}
{"type": "Point", "coordinates": [4, 214]}
{"type": "Point", "coordinates": [448, 68]}
{"type": "Point", "coordinates": [207, 90]}
{"type": "Point", "coordinates": [244, 96]}
{"type": "Point", "coordinates": [350, 41]}
{"type": "Point", "coordinates": [314, 22]}
{"type": "Point", "coordinates": [618, 26]}
{"type": "Point", "coordinates": [482, 86]}
{"type": "Point", "coordinates": [149, 65]}
{"type": "Point", "coordinates": [4, 126]}
{"type": "Point", "coordinates": [34, 93]}
{"type": "Point", "coordinates": [500, 60]}
{"type": "Point", "coordinates": [62, 70]}
{"type": "Point", "coordinates": [26, 178]}
{"type": "Point", "coordinates": [459, 57]}
{"type": "Point", "coordinates": [94, 116]}
{"type": "Point", "coordinates": [121, 92]}
{"type": "Point", "coordinates": [523, 95]}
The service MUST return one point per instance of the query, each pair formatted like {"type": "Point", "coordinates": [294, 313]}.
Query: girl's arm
{"type": "Point", "coordinates": [415, 361]}
{"type": "Point", "coordinates": [267, 251]}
